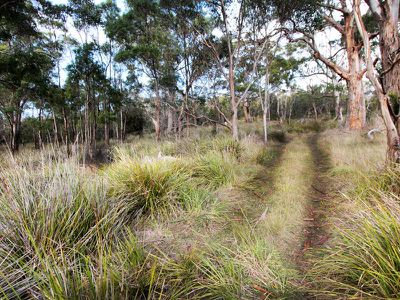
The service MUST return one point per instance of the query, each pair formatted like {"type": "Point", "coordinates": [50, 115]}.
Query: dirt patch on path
{"type": "Point", "coordinates": [316, 232]}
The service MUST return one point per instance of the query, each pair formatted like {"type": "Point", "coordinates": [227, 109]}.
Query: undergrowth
{"type": "Point", "coordinates": [363, 261]}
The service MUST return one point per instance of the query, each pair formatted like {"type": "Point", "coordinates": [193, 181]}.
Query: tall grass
{"type": "Point", "coordinates": [366, 260]}
{"type": "Point", "coordinates": [213, 170]}
{"type": "Point", "coordinates": [363, 259]}
{"type": "Point", "coordinates": [52, 218]}
{"type": "Point", "coordinates": [150, 185]}
{"type": "Point", "coordinates": [70, 232]}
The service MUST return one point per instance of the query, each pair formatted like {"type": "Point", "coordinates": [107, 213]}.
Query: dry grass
{"type": "Point", "coordinates": [354, 152]}
{"type": "Point", "coordinates": [363, 257]}
{"type": "Point", "coordinates": [232, 215]}
{"type": "Point", "coordinates": [286, 208]}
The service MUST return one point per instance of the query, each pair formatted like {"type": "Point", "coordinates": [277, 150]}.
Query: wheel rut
{"type": "Point", "coordinates": [316, 232]}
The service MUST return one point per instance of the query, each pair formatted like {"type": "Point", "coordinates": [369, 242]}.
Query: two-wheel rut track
{"type": "Point", "coordinates": [316, 232]}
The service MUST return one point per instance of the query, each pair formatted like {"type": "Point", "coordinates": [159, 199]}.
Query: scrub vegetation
{"type": "Point", "coordinates": [197, 149]}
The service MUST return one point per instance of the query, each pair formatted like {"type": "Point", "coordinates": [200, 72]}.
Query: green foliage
{"type": "Point", "coordinates": [306, 14]}
{"type": "Point", "coordinates": [229, 146]}
{"type": "Point", "coordinates": [195, 198]}
{"type": "Point", "coordinates": [51, 221]}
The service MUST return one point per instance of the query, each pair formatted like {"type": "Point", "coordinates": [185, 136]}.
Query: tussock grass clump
{"type": "Point", "coordinates": [157, 185]}
{"type": "Point", "coordinates": [229, 146]}
{"type": "Point", "coordinates": [248, 269]}
{"type": "Point", "coordinates": [214, 170]}
{"type": "Point", "coordinates": [366, 259]}
{"type": "Point", "coordinates": [52, 219]}
{"type": "Point", "coordinates": [266, 156]}
{"type": "Point", "coordinates": [195, 198]}
{"type": "Point", "coordinates": [149, 185]}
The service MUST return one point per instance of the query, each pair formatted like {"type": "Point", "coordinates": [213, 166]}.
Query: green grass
{"type": "Point", "coordinates": [214, 170]}
{"type": "Point", "coordinates": [199, 218]}
{"type": "Point", "coordinates": [266, 156]}
{"type": "Point", "coordinates": [366, 259]}
{"type": "Point", "coordinates": [363, 258]}
{"type": "Point", "coordinates": [147, 186]}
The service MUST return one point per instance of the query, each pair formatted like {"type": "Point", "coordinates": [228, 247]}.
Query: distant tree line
{"type": "Point", "coordinates": [168, 65]}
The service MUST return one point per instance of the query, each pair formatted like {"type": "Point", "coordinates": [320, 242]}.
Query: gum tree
{"type": "Point", "coordinates": [382, 90]}
{"type": "Point", "coordinates": [305, 17]}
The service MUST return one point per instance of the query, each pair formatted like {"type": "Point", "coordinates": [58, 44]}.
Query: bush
{"type": "Point", "coordinates": [230, 146]}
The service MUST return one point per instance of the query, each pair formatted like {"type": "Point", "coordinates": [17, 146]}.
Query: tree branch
{"type": "Point", "coordinates": [334, 24]}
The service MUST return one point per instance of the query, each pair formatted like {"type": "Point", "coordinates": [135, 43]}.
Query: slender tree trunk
{"type": "Point", "coordinates": [121, 126]}
{"type": "Point", "coordinates": [55, 129]}
{"type": "Point", "coordinates": [246, 110]}
{"type": "Point", "coordinates": [315, 111]}
{"type": "Point", "coordinates": [124, 128]}
{"type": "Point", "coordinates": [338, 108]}
{"type": "Point", "coordinates": [170, 121]}
{"type": "Point", "coordinates": [117, 131]}
{"type": "Point", "coordinates": [265, 127]}
{"type": "Point", "coordinates": [40, 139]}
{"type": "Point", "coordinates": [356, 112]}
{"type": "Point", "coordinates": [170, 113]}
{"type": "Point", "coordinates": [66, 131]}
{"type": "Point", "coordinates": [234, 108]}
{"type": "Point", "coordinates": [157, 119]}
{"type": "Point", "coordinates": [106, 122]}
{"type": "Point", "coordinates": [266, 102]}
{"type": "Point", "coordinates": [86, 135]}
{"type": "Point", "coordinates": [187, 117]}
{"type": "Point", "coordinates": [15, 131]}
{"type": "Point", "coordinates": [278, 110]}
{"type": "Point", "coordinates": [180, 122]}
